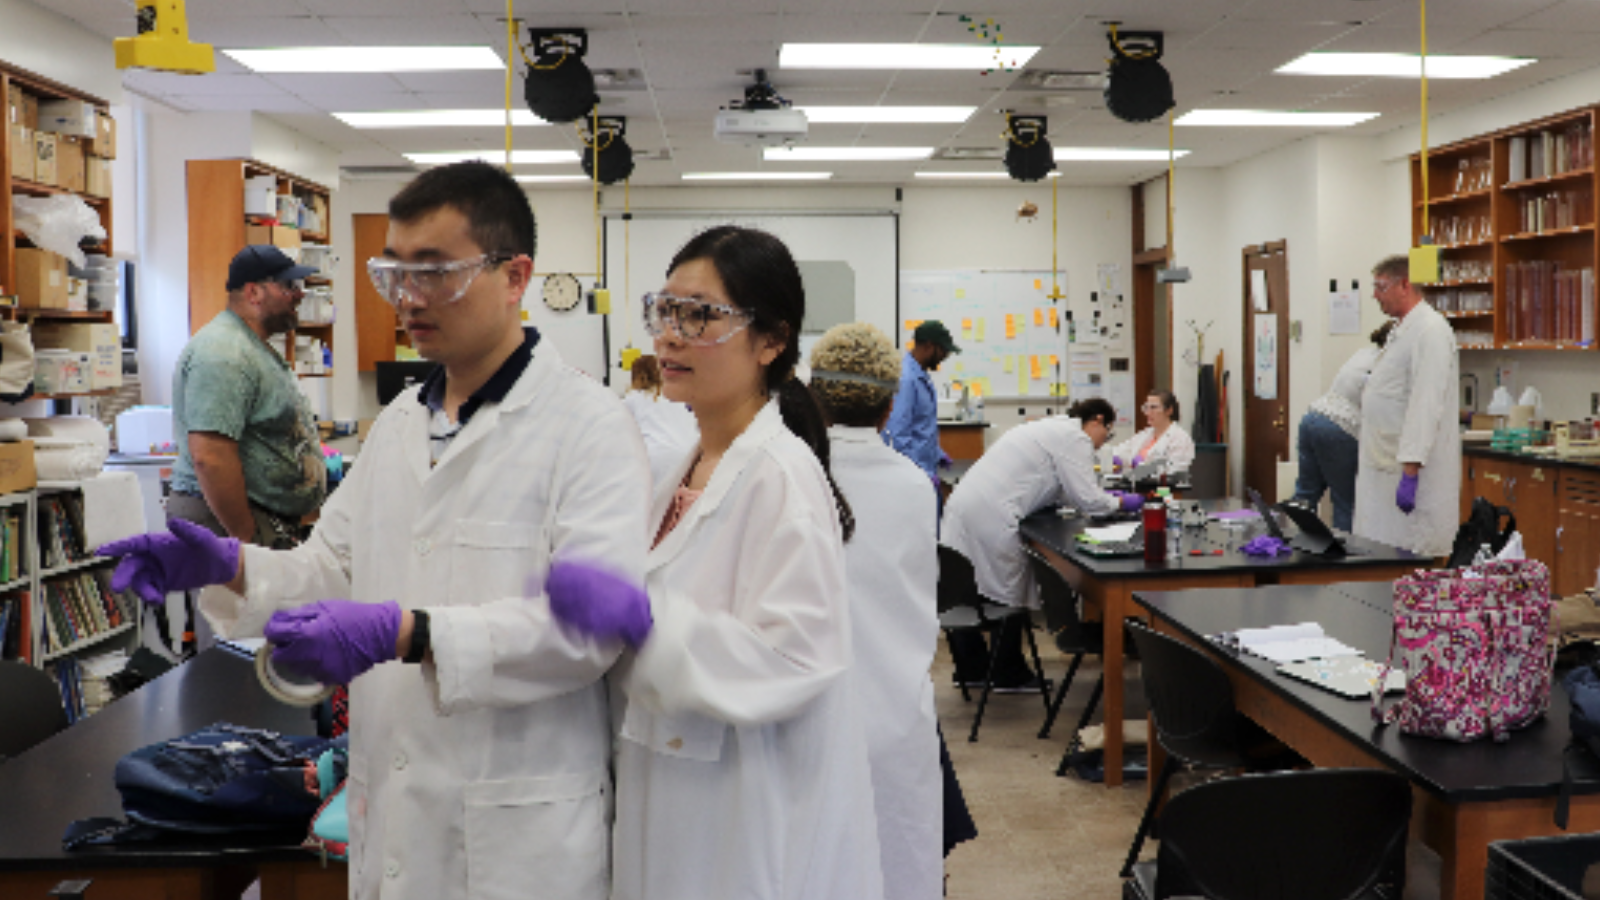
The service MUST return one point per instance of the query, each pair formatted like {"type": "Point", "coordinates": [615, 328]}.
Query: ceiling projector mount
{"type": "Point", "coordinates": [762, 118]}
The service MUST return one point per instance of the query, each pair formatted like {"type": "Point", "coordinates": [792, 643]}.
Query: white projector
{"type": "Point", "coordinates": [763, 127]}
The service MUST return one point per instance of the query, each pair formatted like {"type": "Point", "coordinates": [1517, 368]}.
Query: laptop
{"type": "Point", "coordinates": [1347, 676]}
{"type": "Point", "coordinates": [1133, 546]}
{"type": "Point", "coordinates": [1261, 509]}
{"type": "Point", "coordinates": [1315, 536]}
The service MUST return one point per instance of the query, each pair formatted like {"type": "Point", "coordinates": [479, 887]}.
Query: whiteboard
{"type": "Point", "coordinates": [1014, 338]}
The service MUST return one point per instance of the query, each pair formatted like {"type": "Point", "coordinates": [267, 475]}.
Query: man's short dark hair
{"type": "Point", "coordinates": [499, 216]}
{"type": "Point", "coordinates": [1094, 409]}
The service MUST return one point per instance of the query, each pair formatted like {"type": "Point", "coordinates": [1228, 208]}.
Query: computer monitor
{"type": "Point", "coordinates": [395, 377]}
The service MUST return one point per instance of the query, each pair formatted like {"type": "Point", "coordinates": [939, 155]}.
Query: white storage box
{"type": "Point", "coordinates": [145, 429]}
{"type": "Point", "coordinates": [261, 196]}
{"type": "Point", "coordinates": [60, 372]}
{"type": "Point", "coordinates": [73, 117]}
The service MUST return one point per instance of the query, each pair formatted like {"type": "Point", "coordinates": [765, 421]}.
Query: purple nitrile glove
{"type": "Point", "coordinates": [1116, 462]}
{"type": "Point", "coordinates": [598, 603]}
{"type": "Point", "coordinates": [333, 641]}
{"type": "Point", "coordinates": [1405, 496]}
{"type": "Point", "coordinates": [1131, 502]}
{"type": "Point", "coordinates": [945, 461]}
{"type": "Point", "coordinates": [1265, 545]}
{"type": "Point", "coordinates": [187, 558]}
{"type": "Point", "coordinates": [1137, 460]}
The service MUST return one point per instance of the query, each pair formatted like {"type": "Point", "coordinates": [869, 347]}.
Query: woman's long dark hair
{"type": "Point", "coordinates": [761, 278]}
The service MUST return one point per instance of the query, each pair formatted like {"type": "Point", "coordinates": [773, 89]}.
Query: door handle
{"type": "Point", "coordinates": [1559, 529]}
{"type": "Point", "coordinates": [1511, 490]}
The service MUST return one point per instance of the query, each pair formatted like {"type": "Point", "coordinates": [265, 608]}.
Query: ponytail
{"type": "Point", "coordinates": [803, 416]}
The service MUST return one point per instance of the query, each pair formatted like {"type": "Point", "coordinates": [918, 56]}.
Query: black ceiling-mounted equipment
{"type": "Point", "coordinates": [616, 157]}
{"type": "Point", "coordinates": [1138, 88]}
{"type": "Point", "coordinates": [559, 86]}
{"type": "Point", "coordinates": [1028, 153]}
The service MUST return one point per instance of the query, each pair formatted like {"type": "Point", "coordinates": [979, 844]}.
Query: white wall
{"type": "Point", "coordinates": [58, 48]}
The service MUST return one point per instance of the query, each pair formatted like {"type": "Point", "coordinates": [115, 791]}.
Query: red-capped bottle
{"type": "Point", "coordinates": [1154, 515]}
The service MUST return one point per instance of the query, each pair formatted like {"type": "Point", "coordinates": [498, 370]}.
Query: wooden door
{"type": "Point", "coordinates": [1532, 492]}
{"type": "Point", "coordinates": [1266, 412]}
{"type": "Point", "coordinates": [1577, 528]}
{"type": "Point", "coordinates": [376, 322]}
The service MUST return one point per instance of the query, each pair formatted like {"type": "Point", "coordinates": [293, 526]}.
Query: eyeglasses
{"type": "Point", "coordinates": [1379, 285]}
{"type": "Point", "coordinates": [696, 321]}
{"type": "Point", "coordinates": [1152, 407]}
{"type": "Point", "coordinates": [428, 283]}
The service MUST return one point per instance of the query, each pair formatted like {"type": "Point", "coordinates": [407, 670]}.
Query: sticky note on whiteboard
{"type": "Point", "coordinates": [1033, 366]}
{"type": "Point", "coordinates": [981, 329]}
{"type": "Point", "coordinates": [1038, 316]}
{"type": "Point", "coordinates": [1010, 362]}
{"type": "Point", "coordinates": [1055, 320]}
{"type": "Point", "coordinates": [961, 293]}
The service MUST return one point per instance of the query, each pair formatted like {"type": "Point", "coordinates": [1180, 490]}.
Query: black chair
{"type": "Point", "coordinates": [1073, 637]}
{"type": "Point", "coordinates": [962, 608]}
{"type": "Point", "coordinates": [30, 707]}
{"type": "Point", "coordinates": [1196, 722]}
{"type": "Point", "coordinates": [1325, 834]}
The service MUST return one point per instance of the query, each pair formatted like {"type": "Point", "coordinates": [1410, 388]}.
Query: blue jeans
{"type": "Point", "coordinates": [1329, 457]}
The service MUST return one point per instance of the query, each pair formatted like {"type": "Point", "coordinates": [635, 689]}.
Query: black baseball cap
{"type": "Point", "coordinates": [933, 332]}
{"type": "Point", "coordinates": [264, 262]}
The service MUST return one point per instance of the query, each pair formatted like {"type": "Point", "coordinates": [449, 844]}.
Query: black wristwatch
{"type": "Point", "coordinates": [419, 637]}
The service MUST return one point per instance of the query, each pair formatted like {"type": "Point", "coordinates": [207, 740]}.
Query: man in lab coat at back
{"type": "Point", "coordinates": [1408, 489]}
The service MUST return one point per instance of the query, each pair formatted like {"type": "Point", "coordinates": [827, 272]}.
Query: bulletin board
{"type": "Point", "coordinates": [1016, 342]}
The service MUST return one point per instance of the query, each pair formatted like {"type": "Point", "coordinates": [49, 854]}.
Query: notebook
{"type": "Point", "coordinates": [1291, 643]}
{"type": "Point", "coordinates": [1347, 676]}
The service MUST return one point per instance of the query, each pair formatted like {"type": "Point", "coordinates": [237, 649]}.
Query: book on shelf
{"type": "Point", "coordinates": [61, 532]}
{"type": "Point", "coordinates": [80, 605]}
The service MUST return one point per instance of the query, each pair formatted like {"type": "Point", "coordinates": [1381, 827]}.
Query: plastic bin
{"type": "Point", "coordinates": [1550, 868]}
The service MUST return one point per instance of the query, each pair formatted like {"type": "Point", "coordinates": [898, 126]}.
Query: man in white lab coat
{"type": "Point", "coordinates": [1408, 488]}
{"type": "Point", "coordinates": [479, 742]}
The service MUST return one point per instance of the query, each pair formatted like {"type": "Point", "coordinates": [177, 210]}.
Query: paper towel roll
{"type": "Point", "coordinates": [74, 428]}
{"type": "Point", "coordinates": [1521, 416]}
{"type": "Point", "coordinates": [13, 429]}
{"type": "Point", "coordinates": [63, 459]}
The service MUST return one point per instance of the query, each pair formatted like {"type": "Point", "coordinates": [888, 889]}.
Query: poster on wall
{"type": "Point", "coordinates": [1344, 312]}
{"type": "Point", "coordinates": [1084, 375]}
{"type": "Point", "coordinates": [1266, 351]}
{"type": "Point", "coordinates": [1259, 300]}
{"type": "Point", "coordinates": [1119, 391]}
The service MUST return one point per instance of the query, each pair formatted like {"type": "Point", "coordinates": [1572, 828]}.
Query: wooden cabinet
{"type": "Point", "coordinates": [220, 226]}
{"type": "Point", "coordinates": [1577, 532]}
{"type": "Point", "coordinates": [1531, 491]}
{"type": "Point", "coordinates": [378, 330]}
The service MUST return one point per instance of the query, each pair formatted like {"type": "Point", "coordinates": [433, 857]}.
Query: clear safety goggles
{"type": "Point", "coordinates": [696, 321]}
{"type": "Point", "coordinates": [429, 284]}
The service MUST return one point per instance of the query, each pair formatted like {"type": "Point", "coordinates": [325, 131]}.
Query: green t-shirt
{"type": "Point", "coordinates": [230, 382]}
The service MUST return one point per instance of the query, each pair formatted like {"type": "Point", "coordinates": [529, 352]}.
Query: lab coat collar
{"type": "Point", "coordinates": [853, 435]}
{"type": "Point", "coordinates": [767, 424]}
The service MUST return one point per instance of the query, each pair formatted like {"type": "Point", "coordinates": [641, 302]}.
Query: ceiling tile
{"type": "Point", "coordinates": [252, 102]}
{"type": "Point", "coordinates": [263, 31]}
{"type": "Point", "coordinates": [316, 87]}
{"type": "Point", "coordinates": [384, 8]}
{"type": "Point", "coordinates": [380, 31]}
{"type": "Point", "coordinates": [191, 85]}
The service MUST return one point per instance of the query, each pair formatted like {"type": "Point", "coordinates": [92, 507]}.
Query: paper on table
{"type": "Point", "coordinates": [1292, 643]}
{"type": "Point", "coordinates": [1122, 531]}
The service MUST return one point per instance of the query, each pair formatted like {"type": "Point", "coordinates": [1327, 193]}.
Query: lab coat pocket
{"type": "Point", "coordinates": [1382, 449]}
{"type": "Point", "coordinates": [545, 837]}
{"type": "Point", "coordinates": [687, 735]}
{"type": "Point", "coordinates": [494, 560]}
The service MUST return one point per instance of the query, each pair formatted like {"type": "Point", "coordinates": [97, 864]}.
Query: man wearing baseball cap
{"type": "Point", "coordinates": [249, 458]}
{"type": "Point", "coordinates": [914, 423]}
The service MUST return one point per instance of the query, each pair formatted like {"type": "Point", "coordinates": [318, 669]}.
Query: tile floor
{"type": "Point", "coordinates": [1048, 838]}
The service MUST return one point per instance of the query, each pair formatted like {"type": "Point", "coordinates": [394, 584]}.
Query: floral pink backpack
{"type": "Point", "coordinates": [1474, 646]}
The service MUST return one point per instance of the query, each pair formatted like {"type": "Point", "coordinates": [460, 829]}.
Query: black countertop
{"type": "Point", "coordinates": [954, 424]}
{"type": "Point", "coordinates": [1482, 451]}
{"type": "Point", "coordinates": [68, 777]}
{"type": "Point", "coordinates": [1527, 765]}
{"type": "Point", "coordinates": [1050, 529]}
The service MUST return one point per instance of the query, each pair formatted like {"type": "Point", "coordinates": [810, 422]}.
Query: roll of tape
{"type": "Point", "coordinates": [284, 690]}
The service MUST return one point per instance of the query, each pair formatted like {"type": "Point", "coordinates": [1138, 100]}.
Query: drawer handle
{"type": "Point", "coordinates": [1511, 490]}
{"type": "Point", "coordinates": [1558, 538]}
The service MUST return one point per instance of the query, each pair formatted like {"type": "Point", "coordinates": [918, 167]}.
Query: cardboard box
{"type": "Point", "coordinates": [14, 105]}
{"type": "Point", "coordinates": [105, 136]}
{"type": "Point", "coordinates": [286, 239]}
{"type": "Point", "coordinates": [97, 178]}
{"type": "Point", "coordinates": [70, 166]}
{"type": "Point", "coordinates": [261, 196]}
{"type": "Point", "coordinates": [68, 117]}
{"type": "Point", "coordinates": [30, 110]}
{"type": "Point", "coordinates": [17, 472]}
{"type": "Point", "coordinates": [41, 279]}
{"type": "Point", "coordinates": [97, 339]}
{"type": "Point", "coordinates": [22, 152]}
{"type": "Point", "coordinates": [44, 157]}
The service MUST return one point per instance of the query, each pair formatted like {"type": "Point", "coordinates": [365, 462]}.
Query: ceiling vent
{"type": "Point", "coordinates": [1065, 81]}
{"type": "Point", "coordinates": [969, 153]}
{"type": "Point", "coordinates": [619, 80]}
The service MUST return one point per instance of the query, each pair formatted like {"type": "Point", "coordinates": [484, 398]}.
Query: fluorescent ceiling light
{"type": "Point", "coordinates": [845, 154]}
{"type": "Point", "coordinates": [1111, 154]}
{"type": "Point", "coordinates": [975, 173]}
{"type": "Point", "coordinates": [368, 59]}
{"type": "Point", "coordinates": [888, 114]}
{"type": "Point", "coordinates": [1403, 65]}
{"type": "Point", "coordinates": [1254, 117]}
{"type": "Point", "coordinates": [439, 118]}
{"type": "Point", "coordinates": [526, 179]}
{"type": "Point", "coordinates": [498, 157]}
{"type": "Point", "coordinates": [977, 57]}
{"type": "Point", "coordinates": [757, 176]}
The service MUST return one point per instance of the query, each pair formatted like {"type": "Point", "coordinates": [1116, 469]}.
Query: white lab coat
{"type": "Point", "coordinates": [1045, 463]}
{"type": "Point", "coordinates": [891, 574]}
{"type": "Point", "coordinates": [741, 764]}
{"type": "Point", "coordinates": [1175, 446]}
{"type": "Point", "coordinates": [669, 430]}
{"type": "Point", "coordinates": [1409, 414]}
{"type": "Point", "coordinates": [482, 774]}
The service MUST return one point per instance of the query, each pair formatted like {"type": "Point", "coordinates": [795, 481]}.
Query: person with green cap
{"type": "Point", "coordinates": [914, 424]}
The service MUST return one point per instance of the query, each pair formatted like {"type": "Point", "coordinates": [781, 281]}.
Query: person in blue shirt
{"type": "Point", "coordinates": [913, 427]}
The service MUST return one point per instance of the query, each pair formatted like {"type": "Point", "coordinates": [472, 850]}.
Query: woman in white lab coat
{"type": "Point", "coordinates": [891, 572]}
{"type": "Point", "coordinates": [1410, 426]}
{"type": "Point", "coordinates": [668, 428]}
{"type": "Point", "coordinates": [1044, 463]}
{"type": "Point", "coordinates": [741, 764]}
{"type": "Point", "coordinates": [1162, 438]}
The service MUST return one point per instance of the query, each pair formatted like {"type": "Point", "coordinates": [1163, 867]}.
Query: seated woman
{"type": "Point", "coordinates": [1163, 439]}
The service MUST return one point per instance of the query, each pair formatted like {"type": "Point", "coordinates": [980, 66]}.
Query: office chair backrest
{"type": "Point", "coordinates": [1323, 834]}
{"type": "Point", "coordinates": [958, 582]}
{"type": "Point", "coordinates": [1190, 697]}
{"type": "Point", "coordinates": [1059, 600]}
{"type": "Point", "coordinates": [30, 707]}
